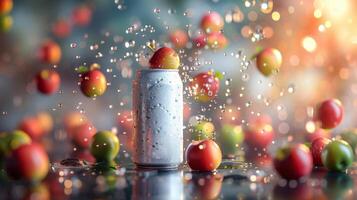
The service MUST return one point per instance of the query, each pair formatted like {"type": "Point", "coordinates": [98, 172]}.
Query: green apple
{"type": "Point", "coordinates": [203, 130]}
{"type": "Point", "coordinates": [104, 146]}
{"type": "Point", "coordinates": [337, 155]}
{"type": "Point", "coordinates": [230, 137]}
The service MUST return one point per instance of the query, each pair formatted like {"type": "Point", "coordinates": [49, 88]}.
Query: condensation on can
{"type": "Point", "coordinates": [158, 118]}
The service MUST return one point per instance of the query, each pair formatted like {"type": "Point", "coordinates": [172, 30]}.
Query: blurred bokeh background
{"type": "Point", "coordinates": [317, 39]}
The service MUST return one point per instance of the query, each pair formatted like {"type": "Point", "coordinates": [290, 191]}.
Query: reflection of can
{"type": "Point", "coordinates": [158, 185]}
{"type": "Point", "coordinates": [158, 118]}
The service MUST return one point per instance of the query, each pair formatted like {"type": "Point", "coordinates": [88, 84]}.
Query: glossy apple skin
{"type": "Point", "coordinates": [82, 15]}
{"type": "Point", "coordinates": [62, 28]}
{"type": "Point", "coordinates": [206, 186]}
{"type": "Point", "coordinates": [200, 41]}
{"type": "Point", "coordinates": [350, 136]}
{"type": "Point", "coordinates": [104, 146]}
{"type": "Point", "coordinates": [230, 137]}
{"type": "Point", "coordinates": [269, 61]}
{"type": "Point", "coordinates": [32, 127]}
{"type": "Point", "coordinates": [293, 162]}
{"type": "Point", "coordinates": [316, 149]}
{"type": "Point", "coordinates": [203, 155]}
{"type": "Point", "coordinates": [82, 135]}
{"type": "Point", "coordinates": [178, 38]}
{"type": "Point", "coordinates": [5, 23]}
{"type": "Point", "coordinates": [330, 113]}
{"type": "Point", "coordinates": [28, 162]}
{"type": "Point", "coordinates": [165, 58]}
{"type": "Point", "coordinates": [205, 86]}
{"type": "Point", "coordinates": [318, 133]}
{"type": "Point", "coordinates": [259, 133]}
{"type": "Point", "coordinates": [15, 139]}
{"type": "Point", "coordinates": [5, 6]}
{"type": "Point", "coordinates": [217, 41]}
{"type": "Point", "coordinates": [48, 81]}
{"type": "Point", "coordinates": [203, 130]}
{"type": "Point", "coordinates": [50, 52]}
{"type": "Point", "coordinates": [93, 83]}
{"type": "Point", "coordinates": [212, 22]}
{"type": "Point", "coordinates": [337, 156]}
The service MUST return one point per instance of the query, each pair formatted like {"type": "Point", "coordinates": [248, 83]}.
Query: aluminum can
{"type": "Point", "coordinates": [158, 118]}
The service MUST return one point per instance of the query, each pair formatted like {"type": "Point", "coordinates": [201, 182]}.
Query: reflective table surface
{"type": "Point", "coordinates": [236, 179]}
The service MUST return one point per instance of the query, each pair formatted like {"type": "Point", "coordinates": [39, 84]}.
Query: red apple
{"type": "Point", "coordinates": [330, 113]}
{"type": "Point", "coordinates": [165, 58]}
{"type": "Point", "coordinates": [82, 135]}
{"type": "Point", "coordinates": [82, 15]}
{"type": "Point", "coordinates": [212, 22]}
{"type": "Point", "coordinates": [316, 148]}
{"type": "Point", "coordinates": [5, 6]}
{"type": "Point", "coordinates": [32, 127]}
{"type": "Point", "coordinates": [72, 120]}
{"type": "Point", "coordinates": [186, 111]}
{"type": "Point", "coordinates": [50, 52]}
{"type": "Point", "coordinates": [93, 83]}
{"type": "Point", "coordinates": [217, 41]}
{"type": "Point", "coordinates": [48, 81]}
{"type": "Point", "coordinates": [28, 162]}
{"type": "Point", "coordinates": [61, 28]}
{"type": "Point", "coordinates": [317, 134]}
{"type": "Point", "coordinates": [45, 120]}
{"type": "Point", "coordinates": [259, 133]}
{"type": "Point", "coordinates": [205, 86]}
{"type": "Point", "coordinates": [203, 155]}
{"type": "Point", "coordinates": [293, 162]}
{"type": "Point", "coordinates": [269, 61]}
{"type": "Point", "coordinates": [126, 127]}
{"type": "Point", "coordinates": [200, 41]}
{"type": "Point", "coordinates": [178, 38]}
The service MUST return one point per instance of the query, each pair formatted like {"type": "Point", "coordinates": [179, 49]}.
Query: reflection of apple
{"type": "Point", "coordinates": [230, 138]}
{"type": "Point", "coordinates": [338, 185]}
{"type": "Point", "coordinates": [206, 186]}
{"type": "Point", "coordinates": [302, 192]}
{"type": "Point", "coordinates": [38, 192]}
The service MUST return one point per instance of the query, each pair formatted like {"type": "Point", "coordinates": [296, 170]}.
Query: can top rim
{"type": "Point", "coordinates": [158, 70]}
